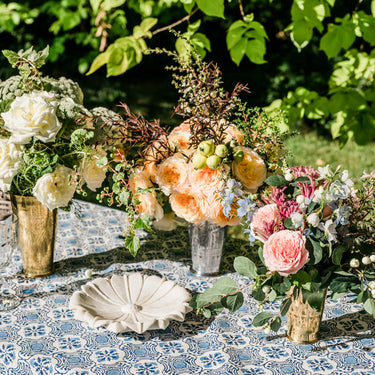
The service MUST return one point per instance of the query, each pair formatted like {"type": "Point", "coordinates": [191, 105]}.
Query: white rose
{"type": "Point", "coordinates": [32, 115]}
{"type": "Point", "coordinates": [92, 173]}
{"type": "Point", "coordinates": [55, 189]}
{"type": "Point", "coordinates": [167, 223]}
{"type": "Point", "coordinates": [10, 161]}
{"type": "Point", "coordinates": [313, 219]}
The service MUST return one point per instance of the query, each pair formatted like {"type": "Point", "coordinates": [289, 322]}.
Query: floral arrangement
{"type": "Point", "coordinates": [46, 151]}
{"type": "Point", "coordinates": [315, 230]}
{"type": "Point", "coordinates": [182, 174]}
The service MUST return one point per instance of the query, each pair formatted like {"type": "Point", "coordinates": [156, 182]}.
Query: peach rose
{"type": "Point", "coordinates": [233, 133]}
{"type": "Point", "coordinates": [179, 137]}
{"type": "Point", "coordinates": [285, 252]}
{"type": "Point", "coordinates": [264, 221]}
{"type": "Point", "coordinates": [140, 179]}
{"type": "Point", "coordinates": [189, 205]}
{"type": "Point", "coordinates": [251, 171]}
{"type": "Point", "coordinates": [216, 214]}
{"type": "Point", "coordinates": [206, 180]}
{"type": "Point", "coordinates": [149, 205]}
{"type": "Point", "coordinates": [171, 174]}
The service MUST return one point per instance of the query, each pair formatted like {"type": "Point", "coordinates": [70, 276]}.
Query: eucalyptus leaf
{"type": "Point", "coordinates": [244, 266]}
{"type": "Point", "coordinates": [261, 319]}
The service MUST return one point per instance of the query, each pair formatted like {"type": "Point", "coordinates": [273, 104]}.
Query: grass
{"type": "Point", "coordinates": [311, 149]}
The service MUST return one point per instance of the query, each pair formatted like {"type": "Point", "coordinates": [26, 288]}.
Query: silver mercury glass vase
{"type": "Point", "coordinates": [207, 244]}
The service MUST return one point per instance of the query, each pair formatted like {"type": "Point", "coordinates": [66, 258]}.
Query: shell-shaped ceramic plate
{"type": "Point", "coordinates": [131, 302]}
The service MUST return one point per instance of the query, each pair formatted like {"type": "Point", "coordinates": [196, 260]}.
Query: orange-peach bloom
{"type": "Point", "coordinates": [172, 174]}
{"type": "Point", "coordinates": [265, 220]}
{"type": "Point", "coordinates": [206, 180]}
{"type": "Point", "coordinates": [149, 205]}
{"type": "Point", "coordinates": [233, 133]}
{"type": "Point", "coordinates": [251, 171]}
{"type": "Point", "coordinates": [216, 214]}
{"type": "Point", "coordinates": [139, 180]}
{"type": "Point", "coordinates": [189, 205]}
{"type": "Point", "coordinates": [179, 137]}
{"type": "Point", "coordinates": [285, 252]}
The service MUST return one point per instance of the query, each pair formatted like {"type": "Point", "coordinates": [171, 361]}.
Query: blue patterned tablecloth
{"type": "Point", "coordinates": [41, 336]}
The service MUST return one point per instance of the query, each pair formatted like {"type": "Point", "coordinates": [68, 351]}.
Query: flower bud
{"type": "Point", "coordinates": [266, 289]}
{"type": "Point", "coordinates": [199, 161]}
{"type": "Point", "coordinates": [206, 148]}
{"type": "Point", "coordinates": [238, 156]}
{"type": "Point", "coordinates": [267, 330]}
{"type": "Point", "coordinates": [288, 176]}
{"type": "Point", "coordinates": [372, 257]}
{"type": "Point", "coordinates": [354, 263]}
{"type": "Point", "coordinates": [371, 284]}
{"type": "Point", "coordinates": [366, 261]}
{"type": "Point", "coordinates": [213, 161]}
{"type": "Point", "coordinates": [221, 151]}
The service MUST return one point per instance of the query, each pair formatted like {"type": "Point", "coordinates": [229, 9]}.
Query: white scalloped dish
{"type": "Point", "coordinates": [131, 302]}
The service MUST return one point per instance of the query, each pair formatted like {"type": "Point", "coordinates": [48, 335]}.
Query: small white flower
{"type": "Point", "coordinates": [313, 219]}
{"type": "Point", "coordinates": [366, 261]}
{"type": "Point", "coordinates": [329, 228]}
{"type": "Point", "coordinates": [288, 175]}
{"type": "Point", "coordinates": [372, 257]}
{"type": "Point", "coordinates": [354, 263]}
{"type": "Point", "coordinates": [371, 284]}
{"type": "Point", "coordinates": [297, 219]}
{"type": "Point", "coordinates": [318, 195]}
{"type": "Point", "coordinates": [267, 330]}
{"type": "Point", "coordinates": [325, 172]}
{"type": "Point", "coordinates": [88, 273]}
{"type": "Point", "coordinates": [266, 289]}
{"type": "Point", "coordinates": [345, 179]}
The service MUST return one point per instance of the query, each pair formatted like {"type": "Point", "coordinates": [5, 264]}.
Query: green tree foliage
{"type": "Point", "coordinates": [116, 34]}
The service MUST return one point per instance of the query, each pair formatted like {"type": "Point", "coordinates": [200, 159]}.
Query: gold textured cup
{"type": "Point", "coordinates": [36, 235]}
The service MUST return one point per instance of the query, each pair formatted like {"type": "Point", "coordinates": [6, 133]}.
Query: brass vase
{"type": "Point", "coordinates": [303, 321]}
{"type": "Point", "coordinates": [36, 235]}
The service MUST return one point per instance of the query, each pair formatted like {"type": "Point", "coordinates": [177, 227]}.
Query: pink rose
{"type": "Point", "coordinates": [265, 221]}
{"type": "Point", "coordinates": [285, 252]}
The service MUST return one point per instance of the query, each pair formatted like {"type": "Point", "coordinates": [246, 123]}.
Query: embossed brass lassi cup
{"type": "Point", "coordinates": [36, 235]}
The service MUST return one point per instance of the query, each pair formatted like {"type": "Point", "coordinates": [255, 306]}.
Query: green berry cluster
{"type": "Point", "coordinates": [209, 155]}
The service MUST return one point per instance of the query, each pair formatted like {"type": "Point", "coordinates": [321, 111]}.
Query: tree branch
{"type": "Point", "coordinates": [172, 25]}
{"type": "Point", "coordinates": [241, 9]}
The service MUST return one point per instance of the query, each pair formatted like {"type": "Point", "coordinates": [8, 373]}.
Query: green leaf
{"type": "Point", "coordinates": [315, 250]}
{"type": "Point", "coordinates": [258, 294]}
{"type": "Point", "coordinates": [233, 302]}
{"type": "Point", "coordinates": [285, 306]}
{"type": "Point", "coordinates": [207, 313]}
{"type": "Point", "coordinates": [337, 254]}
{"type": "Point", "coordinates": [110, 4]}
{"type": "Point", "coordinates": [373, 7]}
{"type": "Point", "coordinates": [276, 324]}
{"type": "Point", "coordinates": [276, 180]}
{"type": "Point", "coordinates": [132, 243]}
{"type": "Point", "coordinates": [261, 319]}
{"type": "Point", "coordinates": [369, 306]}
{"type": "Point", "coordinates": [255, 50]}
{"type": "Point", "coordinates": [193, 27]}
{"type": "Point", "coordinates": [364, 129]}
{"type": "Point", "coordinates": [245, 267]}
{"type": "Point", "coordinates": [148, 23]}
{"type": "Point", "coordinates": [301, 34]}
{"type": "Point", "coordinates": [99, 61]}
{"type": "Point", "coordinates": [95, 5]}
{"type": "Point", "coordinates": [367, 26]}
{"type": "Point", "coordinates": [11, 56]}
{"type": "Point", "coordinates": [234, 35]}
{"type": "Point", "coordinates": [315, 299]}
{"type": "Point", "coordinates": [338, 37]}
{"type": "Point", "coordinates": [289, 224]}
{"type": "Point", "coordinates": [238, 51]}
{"type": "Point", "coordinates": [212, 7]}
{"type": "Point", "coordinates": [225, 285]}
{"type": "Point", "coordinates": [300, 278]}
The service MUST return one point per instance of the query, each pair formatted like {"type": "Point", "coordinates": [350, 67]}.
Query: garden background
{"type": "Point", "coordinates": [312, 59]}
